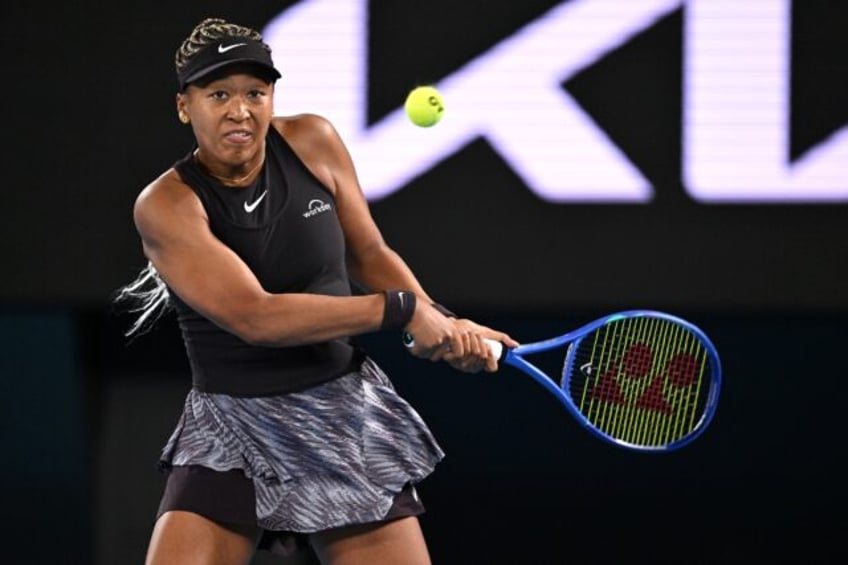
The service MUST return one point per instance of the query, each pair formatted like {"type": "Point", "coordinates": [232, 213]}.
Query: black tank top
{"type": "Point", "coordinates": [284, 227]}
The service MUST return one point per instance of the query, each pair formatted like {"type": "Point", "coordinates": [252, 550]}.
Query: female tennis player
{"type": "Point", "coordinates": [291, 438]}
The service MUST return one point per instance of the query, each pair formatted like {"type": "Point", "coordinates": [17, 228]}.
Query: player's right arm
{"type": "Point", "coordinates": [214, 281]}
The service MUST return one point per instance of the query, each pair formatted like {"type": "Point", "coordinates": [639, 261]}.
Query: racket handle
{"type": "Point", "coordinates": [498, 349]}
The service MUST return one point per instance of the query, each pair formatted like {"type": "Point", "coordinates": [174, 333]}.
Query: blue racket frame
{"type": "Point", "coordinates": [514, 358]}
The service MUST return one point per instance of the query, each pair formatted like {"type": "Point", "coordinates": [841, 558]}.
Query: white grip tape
{"type": "Point", "coordinates": [494, 345]}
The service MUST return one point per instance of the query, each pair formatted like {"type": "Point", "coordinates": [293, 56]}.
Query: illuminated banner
{"type": "Point", "coordinates": [735, 94]}
{"type": "Point", "coordinates": [736, 109]}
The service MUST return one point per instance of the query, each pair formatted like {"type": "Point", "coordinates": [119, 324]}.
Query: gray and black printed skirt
{"type": "Point", "coordinates": [335, 454]}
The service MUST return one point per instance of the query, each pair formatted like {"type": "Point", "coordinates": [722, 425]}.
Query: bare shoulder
{"type": "Point", "coordinates": [166, 201]}
{"type": "Point", "coordinates": [309, 127]}
{"type": "Point", "coordinates": [315, 140]}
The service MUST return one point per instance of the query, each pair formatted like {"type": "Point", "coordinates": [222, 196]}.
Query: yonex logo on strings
{"type": "Point", "coordinates": [316, 207]}
{"type": "Point", "coordinates": [631, 380]}
{"type": "Point", "coordinates": [736, 108]}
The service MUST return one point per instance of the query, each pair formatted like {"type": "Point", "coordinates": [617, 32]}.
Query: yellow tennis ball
{"type": "Point", "coordinates": [424, 106]}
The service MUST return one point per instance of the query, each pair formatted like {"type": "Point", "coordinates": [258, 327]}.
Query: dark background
{"type": "Point", "coordinates": [89, 115]}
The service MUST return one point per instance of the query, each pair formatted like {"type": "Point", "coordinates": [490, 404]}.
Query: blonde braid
{"type": "Point", "coordinates": [147, 296]}
{"type": "Point", "coordinates": [209, 31]}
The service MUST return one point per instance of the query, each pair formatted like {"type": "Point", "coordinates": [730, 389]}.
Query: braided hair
{"type": "Point", "coordinates": [147, 297]}
{"type": "Point", "coordinates": [209, 31]}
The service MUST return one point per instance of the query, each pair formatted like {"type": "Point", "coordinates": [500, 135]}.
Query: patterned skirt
{"type": "Point", "coordinates": [335, 454]}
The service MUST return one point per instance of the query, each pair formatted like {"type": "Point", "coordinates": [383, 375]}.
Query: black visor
{"type": "Point", "coordinates": [222, 53]}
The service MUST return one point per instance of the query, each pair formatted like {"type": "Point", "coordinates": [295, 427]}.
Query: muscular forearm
{"type": "Point", "coordinates": [278, 320]}
{"type": "Point", "coordinates": [382, 269]}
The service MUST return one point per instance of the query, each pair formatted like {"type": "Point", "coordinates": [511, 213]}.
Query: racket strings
{"type": "Point", "coordinates": [639, 380]}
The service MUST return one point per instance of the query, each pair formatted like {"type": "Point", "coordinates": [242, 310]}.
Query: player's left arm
{"type": "Point", "coordinates": [372, 262]}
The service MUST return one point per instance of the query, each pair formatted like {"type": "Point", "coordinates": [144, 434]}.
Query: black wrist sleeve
{"type": "Point", "coordinates": [400, 306]}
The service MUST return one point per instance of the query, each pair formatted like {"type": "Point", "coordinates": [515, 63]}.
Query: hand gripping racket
{"type": "Point", "coordinates": [639, 379]}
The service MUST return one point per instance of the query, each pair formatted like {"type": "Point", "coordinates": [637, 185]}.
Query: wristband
{"type": "Point", "coordinates": [443, 311]}
{"type": "Point", "coordinates": [400, 306]}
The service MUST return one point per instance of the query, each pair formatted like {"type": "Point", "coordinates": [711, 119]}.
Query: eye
{"type": "Point", "coordinates": [218, 95]}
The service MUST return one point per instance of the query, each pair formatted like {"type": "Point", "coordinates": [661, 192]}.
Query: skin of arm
{"type": "Point", "coordinates": [372, 261]}
{"type": "Point", "coordinates": [215, 282]}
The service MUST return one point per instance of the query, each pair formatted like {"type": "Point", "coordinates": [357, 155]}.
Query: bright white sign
{"type": "Point", "coordinates": [735, 116]}
{"type": "Point", "coordinates": [736, 109]}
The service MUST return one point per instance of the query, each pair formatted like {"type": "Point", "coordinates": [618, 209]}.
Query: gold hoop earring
{"type": "Point", "coordinates": [184, 118]}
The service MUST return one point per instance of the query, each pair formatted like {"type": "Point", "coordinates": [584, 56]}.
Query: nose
{"type": "Point", "coordinates": [238, 109]}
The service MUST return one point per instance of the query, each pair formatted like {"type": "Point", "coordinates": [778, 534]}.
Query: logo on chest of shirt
{"type": "Point", "coordinates": [250, 207]}
{"type": "Point", "coordinates": [316, 207]}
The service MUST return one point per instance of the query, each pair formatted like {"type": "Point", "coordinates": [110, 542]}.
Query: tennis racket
{"type": "Point", "coordinates": [640, 379]}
